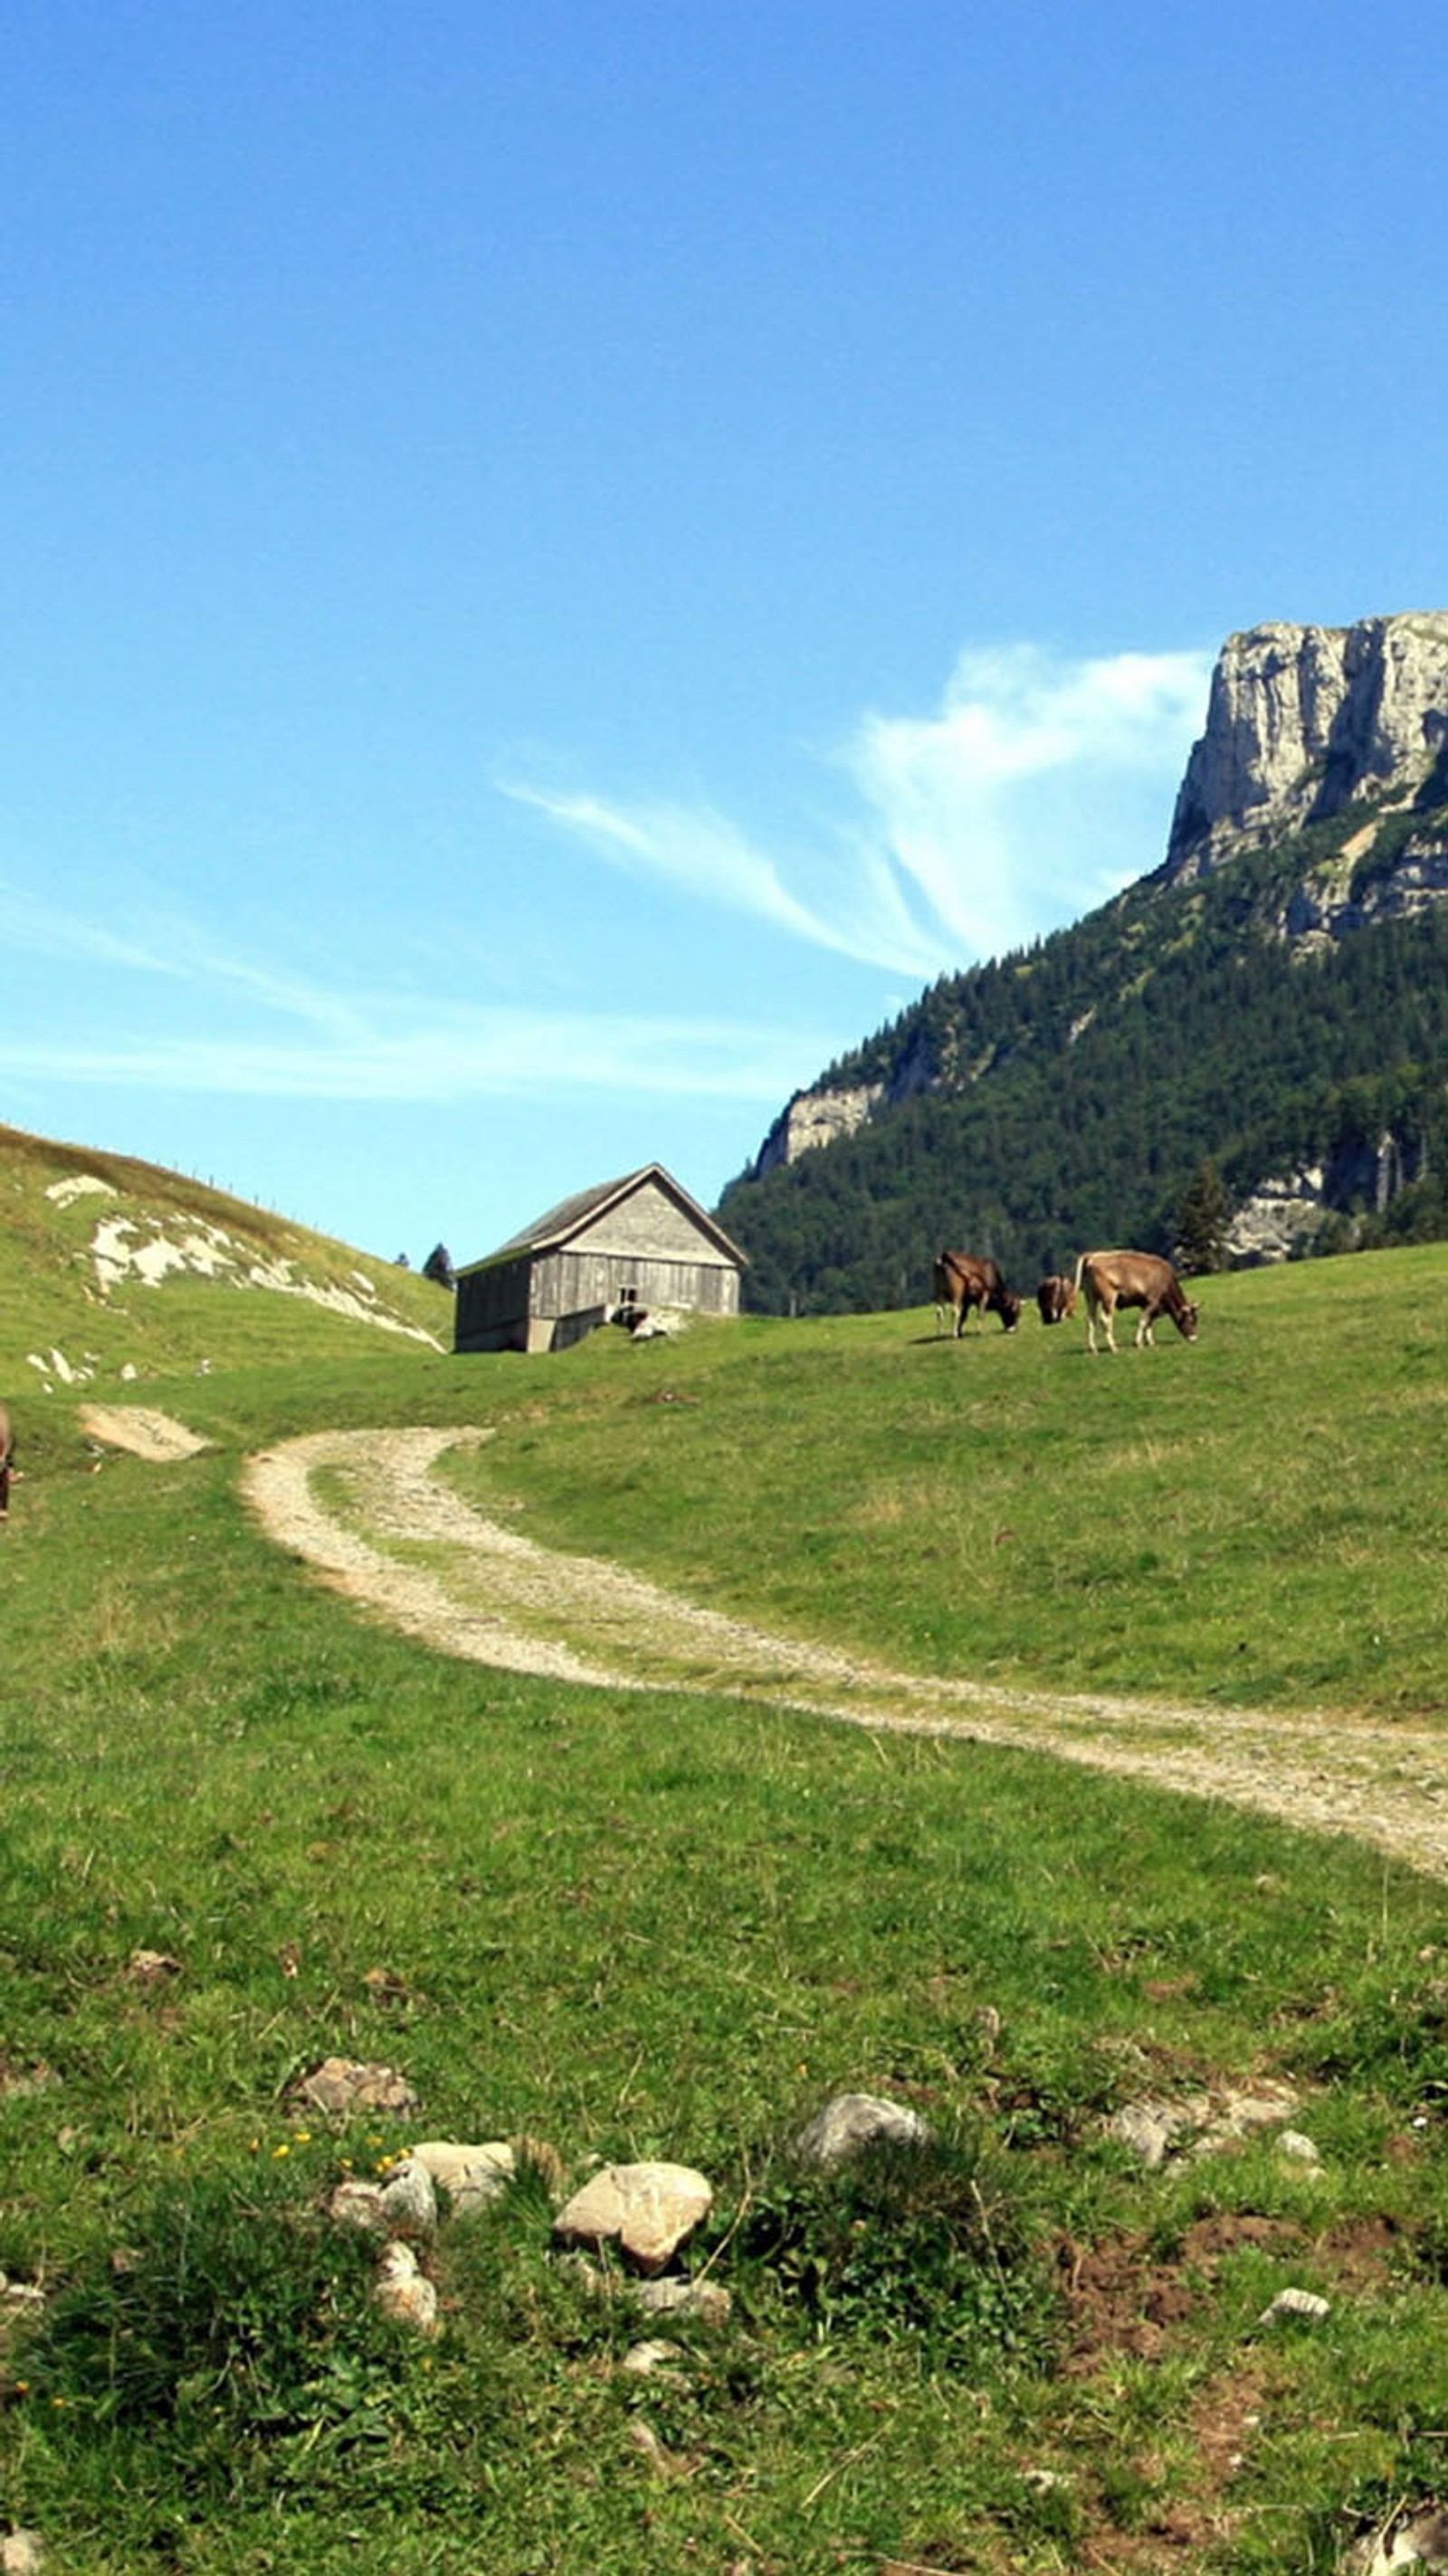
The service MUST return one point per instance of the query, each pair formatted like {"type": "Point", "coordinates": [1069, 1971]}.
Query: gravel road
{"type": "Point", "coordinates": [367, 1511]}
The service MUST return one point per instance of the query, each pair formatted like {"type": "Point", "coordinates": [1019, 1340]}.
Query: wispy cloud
{"type": "Point", "coordinates": [702, 854]}
{"type": "Point", "coordinates": [448, 1055]}
{"type": "Point", "coordinates": [179, 950]}
{"type": "Point", "coordinates": [1031, 791]}
{"type": "Point", "coordinates": [1035, 788]}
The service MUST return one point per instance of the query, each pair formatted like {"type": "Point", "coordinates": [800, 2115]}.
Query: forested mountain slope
{"type": "Point", "coordinates": [1274, 1000]}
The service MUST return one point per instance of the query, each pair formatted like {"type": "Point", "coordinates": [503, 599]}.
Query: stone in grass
{"type": "Point", "coordinates": [1204, 2123]}
{"type": "Point", "coordinates": [404, 2205]}
{"type": "Point", "coordinates": [673, 2295]}
{"type": "Point", "coordinates": [470, 2175]}
{"type": "Point", "coordinates": [22, 2553]}
{"type": "Point", "coordinates": [646, 2209]}
{"type": "Point", "coordinates": [1415, 2539]}
{"type": "Point", "coordinates": [344, 2084]}
{"type": "Point", "coordinates": [1305, 2304]}
{"type": "Point", "coordinates": [152, 1967]}
{"type": "Point", "coordinates": [404, 2291]}
{"type": "Point", "coordinates": [849, 2122]}
{"type": "Point", "coordinates": [409, 2203]}
{"type": "Point", "coordinates": [1298, 2149]}
{"type": "Point", "coordinates": [358, 2204]}
{"type": "Point", "coordinates": [709, 2301]}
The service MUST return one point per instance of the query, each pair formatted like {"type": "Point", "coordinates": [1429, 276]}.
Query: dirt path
{"type": "Point", "coordinates": [365, 1508]}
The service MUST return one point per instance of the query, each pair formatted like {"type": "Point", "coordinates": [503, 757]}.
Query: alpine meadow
{"type": "Point", "coordinates": [1051, 1748]}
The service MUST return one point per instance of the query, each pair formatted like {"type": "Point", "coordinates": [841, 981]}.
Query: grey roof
{"type": "Point", "coordinates": [559, 1223]}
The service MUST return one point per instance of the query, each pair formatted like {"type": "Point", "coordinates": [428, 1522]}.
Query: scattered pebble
{"type": "Point", "coordinates": [1296, 2303]}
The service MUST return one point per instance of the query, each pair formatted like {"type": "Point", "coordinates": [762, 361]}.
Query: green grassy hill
{"type": "Point", "coordinates": [109, 1265]}
{"type": "Point", "coordinates": [634, 1924]}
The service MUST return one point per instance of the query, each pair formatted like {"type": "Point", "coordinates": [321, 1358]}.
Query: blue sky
{"type": "Point", "coordinates": [561, 561]}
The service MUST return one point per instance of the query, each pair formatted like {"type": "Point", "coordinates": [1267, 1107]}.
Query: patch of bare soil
{"type": "Point", "coordinates": [139, 1429]}
{"type": "Point", "coordinates": [402, 1543]}
{"type": "Point", "coordinates": [1123, 2298]}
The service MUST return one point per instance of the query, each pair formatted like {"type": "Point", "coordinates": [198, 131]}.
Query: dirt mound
{"type": "Point", "coordinates": [141, 1430]}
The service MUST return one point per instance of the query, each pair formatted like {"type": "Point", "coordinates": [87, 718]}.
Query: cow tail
{"type": "Point", "coordinates": [1080, 1269]}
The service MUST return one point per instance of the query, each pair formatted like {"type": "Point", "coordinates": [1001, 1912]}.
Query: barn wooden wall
{"type": "Point", "coordinates": [646, 1247]}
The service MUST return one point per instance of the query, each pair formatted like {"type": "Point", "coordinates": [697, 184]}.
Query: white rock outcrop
{"type": "Point", "coordinates": [1304, 719]}
{"type": "Point", "coordinates": [815, 1118]}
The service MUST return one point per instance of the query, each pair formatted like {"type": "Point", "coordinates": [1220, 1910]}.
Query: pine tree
{"type": "Point", "coordinates": [1202, 1221]}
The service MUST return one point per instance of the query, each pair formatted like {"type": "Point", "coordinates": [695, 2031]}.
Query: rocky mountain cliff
{"type": "Point", "coordinates": [1311, 829]}
{"type": "Point", "coordinates": [1304, 720]}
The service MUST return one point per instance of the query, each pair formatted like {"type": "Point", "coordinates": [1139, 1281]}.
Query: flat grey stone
{"type": "Point", "coordinates": [850, 2121]}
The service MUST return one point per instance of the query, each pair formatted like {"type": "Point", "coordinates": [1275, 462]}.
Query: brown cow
{"type": "Point", "coordinates": [972, 1286]}
{"type": "Point", "coordinates": [1143, 1279]}
{"type": "Point", "coordinates": [1056, 1298]}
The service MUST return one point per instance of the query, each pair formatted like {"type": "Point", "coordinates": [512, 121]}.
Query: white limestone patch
{"type": "Point", "coordinates": [283, 1279]}
{"type": "Point", "coordinates": [142, 1251]}
{"type": "Point", "coordinates": [78, 1185]}
{"type": "Point", "coordinates": [54, 1364]}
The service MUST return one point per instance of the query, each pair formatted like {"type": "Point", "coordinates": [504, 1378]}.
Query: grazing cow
{"type": "Point", "coordinates": [1143, 1279]}
{"type": "Point", "coordinates": [7, 1460]}
{"type": "Point", "coordinates": [970, 1286]}
{"type": "Point", "coordinates": [1056, 1298]}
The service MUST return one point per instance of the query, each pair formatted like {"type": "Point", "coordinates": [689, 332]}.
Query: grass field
{"type": "Point", "coordinates": [670, 1924]}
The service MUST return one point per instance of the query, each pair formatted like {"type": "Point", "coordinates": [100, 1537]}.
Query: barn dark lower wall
{"type": "Point", "coordinates": [547, 1303]}
{"type": "Point", "coordinates": [491, 1311]}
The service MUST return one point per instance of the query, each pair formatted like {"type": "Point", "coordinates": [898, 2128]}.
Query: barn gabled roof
{"type": "Point", "coordinates": [548, 1233]}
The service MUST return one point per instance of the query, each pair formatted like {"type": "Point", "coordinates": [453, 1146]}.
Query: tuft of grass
{"type": "Point", "coordinates": [919, 2245]}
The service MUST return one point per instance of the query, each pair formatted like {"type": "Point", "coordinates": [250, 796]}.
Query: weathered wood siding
{"type": "Point", "coordinates": [650, 1224]}
{"type": "Point", "coordinates": [647, 1250]}
{"type": "Point", "coordinates": [492, 1308]}
{"type": "Point", "coordinates": [574, 1283]}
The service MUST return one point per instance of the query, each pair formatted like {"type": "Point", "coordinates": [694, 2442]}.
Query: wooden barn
{"type": "Point", "coordinates": [636, 1245]}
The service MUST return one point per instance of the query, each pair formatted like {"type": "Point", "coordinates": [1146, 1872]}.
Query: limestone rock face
{"type": "Point", "coordinates": [1302, 720]}
{"type": "Point", "coordinates": [815, 1118]}
{"type": "Point", "coordinates": [1286, 1209]}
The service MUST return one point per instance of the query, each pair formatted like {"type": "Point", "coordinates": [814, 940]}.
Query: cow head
{"type": "Point", "coordinates": [1188, 1320]}
{"type": "Point", "coordinates": [1010, 1310]}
